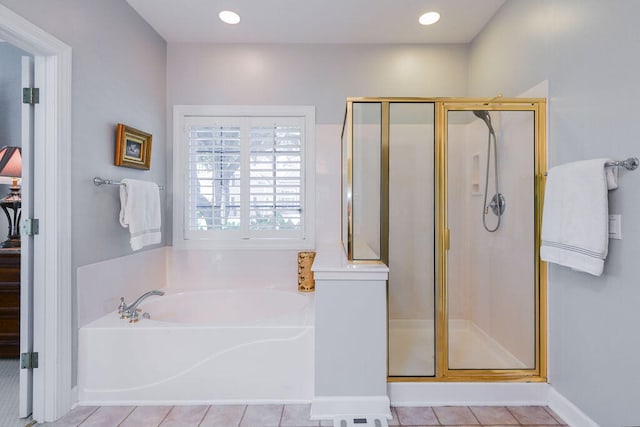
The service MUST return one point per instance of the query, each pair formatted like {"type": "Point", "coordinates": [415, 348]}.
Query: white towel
{"type": "Point", "coordinates": [140, 211]}
{"type": "Point", "coordinates": [575, 218]}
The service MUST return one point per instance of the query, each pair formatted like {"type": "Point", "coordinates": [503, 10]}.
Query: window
{"type": "Point", "coordinates": [244, 177]}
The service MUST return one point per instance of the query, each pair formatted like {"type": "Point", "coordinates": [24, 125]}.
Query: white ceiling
{"type": "Point", "coordinates": [317, 21]}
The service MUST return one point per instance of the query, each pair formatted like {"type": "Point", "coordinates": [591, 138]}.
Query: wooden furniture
{"type": "Point", "coordinates": [10, 303]}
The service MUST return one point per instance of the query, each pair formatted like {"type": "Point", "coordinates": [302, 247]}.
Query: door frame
{"type": "Point", "coordinates": [25, 407]}
{"type": "Point", "coordinates": [52, 315]}
{"type": "Point", "coordinates": [537, 106]}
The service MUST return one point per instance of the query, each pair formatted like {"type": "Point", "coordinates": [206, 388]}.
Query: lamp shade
{"type": "Point", "coordinates": [11, 162]}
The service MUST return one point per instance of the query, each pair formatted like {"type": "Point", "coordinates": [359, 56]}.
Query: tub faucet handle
{"type": "Point", "coordinates": [123, 306]}
{"type": "Point", "coordinates": [130, 312]}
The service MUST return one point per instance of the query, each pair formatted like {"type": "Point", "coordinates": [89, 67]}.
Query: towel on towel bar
{"type": "Point", "coordinates": [140, 211]}
{"type": "Point", "coordinates": [575, 218]}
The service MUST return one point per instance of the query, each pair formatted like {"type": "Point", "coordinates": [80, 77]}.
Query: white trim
{"type": "Point", "coordinates": [52, 248]}
{"type": "Point", "coordinates": [488, 394]}
{"type": "Point", "coordinates": [193, 402]}
{"type": "Point", "coordinates": [75, 392]}
{"type": "Point", "coordinates": [25, 407]}
{"type": "Point", "coordinates": [184, 113]}
{"type": "Point", "coordinates": [570, 413]}
{"type": "Point", "coordinates": [329, 407]}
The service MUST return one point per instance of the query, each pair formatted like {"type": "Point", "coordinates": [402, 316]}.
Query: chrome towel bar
{"type": "Point", "coordinates": [629, 164]}
{"type": "Point", "coordinates": [99, 181]}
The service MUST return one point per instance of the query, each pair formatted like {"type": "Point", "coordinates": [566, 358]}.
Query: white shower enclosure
{"type": "Point", "coordinates": [466, 290]}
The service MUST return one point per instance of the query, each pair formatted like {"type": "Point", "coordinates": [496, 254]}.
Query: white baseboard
{"type": "Point", "coordinates": [193, 402]}
{"type": "Point", "coordinates": [74, 396]}
{"type": "Point", "coordinates": [329, 407]}
{"type": "Point", "coordinates": [570, 413]}
{"type": "Point", "coordinates": [468, 394]}
{"type": "Point", "coordinates": [488, 394]}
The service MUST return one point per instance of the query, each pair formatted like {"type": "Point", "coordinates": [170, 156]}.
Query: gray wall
{"type": "Point", "coordinates": [118, 75]}
{"type": "Point", "coordinates": [10, 109]}
{"type": "Point", "coordinates": [320, 75]}
{"type": "Point", "coordinates": [588, 52]}
{"type": "Point", "coordinates": [10, 94]}
{"type": "Point", "coordinates": [119, 72]}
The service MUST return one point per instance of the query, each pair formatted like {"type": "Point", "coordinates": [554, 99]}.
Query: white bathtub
{"type": "Point", "coordinates": [202, 347]}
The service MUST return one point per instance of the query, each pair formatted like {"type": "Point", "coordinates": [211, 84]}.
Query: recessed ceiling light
{"type": "Point", "coordinates": [229, 17]}
{"type": "Point", "coordinates": [429, 18]}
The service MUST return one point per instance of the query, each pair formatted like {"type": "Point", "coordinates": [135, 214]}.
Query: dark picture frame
{"type": "Point", "coordinates": [133, 147]}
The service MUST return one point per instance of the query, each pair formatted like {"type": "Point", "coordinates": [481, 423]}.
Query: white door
{"type": "Point", "coordinates": [26, 275]}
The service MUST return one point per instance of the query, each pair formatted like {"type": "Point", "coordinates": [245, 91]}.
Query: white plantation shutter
{"type": "Point", "coordinates": [245, 180]}
{"type": "Point", "coordinates": [214, 175]}
{"type": "Point", "coordinates": [276, 180]}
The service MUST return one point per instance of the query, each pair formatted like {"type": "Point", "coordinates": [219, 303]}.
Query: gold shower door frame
{"type": "Point", "coordinates": [442, 106]}
{"type": "Point", "coordinates": [443, 372]}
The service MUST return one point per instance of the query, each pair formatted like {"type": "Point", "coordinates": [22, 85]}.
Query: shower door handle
{"type": "Point", "coordinates": [447, 239]}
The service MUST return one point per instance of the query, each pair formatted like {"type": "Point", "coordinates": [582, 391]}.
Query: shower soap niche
{"type": "Point", "coordinates": [475, 175]}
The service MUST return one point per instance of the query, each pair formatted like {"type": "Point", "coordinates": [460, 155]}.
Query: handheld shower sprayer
{"type": "Point", "coordinates": [484, 116]}
{"type": "Point", "coordinates": [498, 203]}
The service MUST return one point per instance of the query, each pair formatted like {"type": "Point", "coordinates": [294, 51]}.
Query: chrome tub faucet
{"type": "Point", "coordinates": [130, 312]}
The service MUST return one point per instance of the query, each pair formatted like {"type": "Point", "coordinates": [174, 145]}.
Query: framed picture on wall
{"type": "Point", "coordinates": [133, 148]}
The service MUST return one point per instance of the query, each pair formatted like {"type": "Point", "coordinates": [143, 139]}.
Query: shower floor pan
{"type": "Point", "coordinates": [411, 348]}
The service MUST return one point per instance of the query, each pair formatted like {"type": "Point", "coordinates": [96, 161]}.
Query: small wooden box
{"type": "Point", "coordinates": [306, 283]}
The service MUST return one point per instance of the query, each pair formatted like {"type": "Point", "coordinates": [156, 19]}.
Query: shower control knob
{"type": "Point", "coordinates": [498, 204]}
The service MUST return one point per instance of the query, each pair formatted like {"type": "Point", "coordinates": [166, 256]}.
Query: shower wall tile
{"type": "Point", "coordinates": [411, 218]}
{"type": "Point", "coordinates": [328, 184]}
{"type": "Point", "coordinates": [497, 292]}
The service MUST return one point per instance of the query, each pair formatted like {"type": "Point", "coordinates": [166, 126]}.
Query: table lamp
{"type": "Point", "coordinates": [11, 166]}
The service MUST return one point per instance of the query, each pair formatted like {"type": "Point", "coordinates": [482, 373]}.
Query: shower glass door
{"type": "Point", "coordinates": [365, 204]}
{"type": "Point", "coordinates": [411, 239]}
{"type": "Point", "coordinates": [491, 226]}
{"type": "Point", "coordinates": [448, 193]}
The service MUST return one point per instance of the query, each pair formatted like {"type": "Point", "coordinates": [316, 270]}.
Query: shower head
{"type": "Point", "coordinates": [484, 116]}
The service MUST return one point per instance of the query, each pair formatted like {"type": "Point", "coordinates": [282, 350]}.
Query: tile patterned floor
{"type": "Point", "coordinates": [9, 384]}
{"type": "Point", "coordinates": [298, 416]}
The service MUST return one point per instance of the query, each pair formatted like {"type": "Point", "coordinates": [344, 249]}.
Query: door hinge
{"type": "Point", "coordinates": [30, 95]}
{"type": "Point", "coordinates": [31, 226]}
{"type": "Point", "coordinates": [28, 360]}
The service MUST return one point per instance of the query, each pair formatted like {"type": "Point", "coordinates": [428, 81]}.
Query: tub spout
{"type": "Point", "coordinates": [129, 312]}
